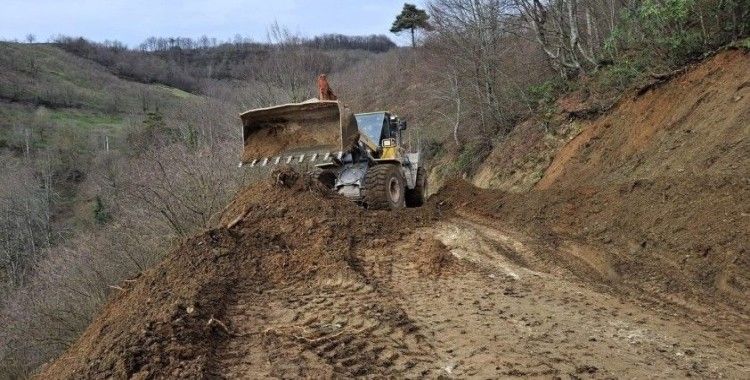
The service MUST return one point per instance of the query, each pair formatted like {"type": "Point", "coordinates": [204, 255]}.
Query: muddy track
{"type": "Point", "coordinates": [511, 320]}
{"type": "Point", "coordinates": [496, 307]}
{"type": "Point", "coordinates": [339, 327]}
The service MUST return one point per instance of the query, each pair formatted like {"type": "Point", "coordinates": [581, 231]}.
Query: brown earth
{"type": "Point", "coordinates": [659, 184]}
{"type": "Point", "coordinates": [629, 259]}
{"type": "Point", "coordinates": [288, 136]}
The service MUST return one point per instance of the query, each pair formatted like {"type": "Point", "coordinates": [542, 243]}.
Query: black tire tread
{"type": "Point", "coordinates": [416, 197]}
{"type": "Point", "coordinates": [374, 189]}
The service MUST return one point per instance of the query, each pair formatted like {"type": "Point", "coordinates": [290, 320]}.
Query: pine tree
{"type": "Point", "coordinates": [411, 18]}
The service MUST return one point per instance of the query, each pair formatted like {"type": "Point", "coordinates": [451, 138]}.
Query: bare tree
{"type": "Point", "coordinates": [24, 219]}
{"type": "Point", "coordinates": [481, 47]}
{"type": "Point", "coordinates": [556, 24]}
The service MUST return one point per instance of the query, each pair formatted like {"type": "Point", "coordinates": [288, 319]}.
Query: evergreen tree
{"type": "Point", "coordinates": [411, 18]}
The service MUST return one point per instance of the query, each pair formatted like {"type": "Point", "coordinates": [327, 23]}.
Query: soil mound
{"type": "Point", "coordinates": [259, 282]}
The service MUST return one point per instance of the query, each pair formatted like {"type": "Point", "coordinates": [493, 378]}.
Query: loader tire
{"type": "Point", "coordinates": [415, 197]}
{"type": "Point", "coordinates": [326, 177]}
{"type": "Point", "coordinates": [384, 188]}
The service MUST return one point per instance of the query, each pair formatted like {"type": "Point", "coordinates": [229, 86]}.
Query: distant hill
{"type": "Point", "coordinates": [183, 62]}
{"type": "Point", "coordinates": [46, 75]}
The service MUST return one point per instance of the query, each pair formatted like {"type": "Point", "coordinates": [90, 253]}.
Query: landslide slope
{"type": "Point", "coordinates": [628, 259]}
{"type": "Point", "coordinates": [658, 188]}
{"type": "Point", "coordinates": [299, 283]}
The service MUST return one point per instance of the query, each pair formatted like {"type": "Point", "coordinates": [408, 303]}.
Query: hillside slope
{"type": "Point", "coordinates": [627, 259]}
{"type": "Point", "coordinates": [51, 98]}
{"type": "Point", "coordinates": [42, 74]}
{"type": "Point", "coordinates": [694, 125]}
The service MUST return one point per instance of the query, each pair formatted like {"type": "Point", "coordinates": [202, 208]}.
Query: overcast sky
{"type": "Point", "coordinates": [132, 21]}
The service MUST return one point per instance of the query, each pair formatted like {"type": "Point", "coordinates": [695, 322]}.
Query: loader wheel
{"type": "Point", "coordinates": [415, 197]}
{"type": "Point", "coordinates": [325, 176]}
{"type": "Point", "coordinates": [384, 188]}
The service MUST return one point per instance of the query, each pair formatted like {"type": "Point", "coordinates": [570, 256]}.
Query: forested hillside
{"type": "Point", "coordinates": [112, 155]}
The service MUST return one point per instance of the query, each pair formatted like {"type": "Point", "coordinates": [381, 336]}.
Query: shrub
{"type": "Point", "coordinates": [472, 155]}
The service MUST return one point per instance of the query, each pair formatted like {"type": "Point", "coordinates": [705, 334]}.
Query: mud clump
{"type": "Point", "coordinates": [435, 259]}
{"type": "Point", "coordinates": [284, 176]}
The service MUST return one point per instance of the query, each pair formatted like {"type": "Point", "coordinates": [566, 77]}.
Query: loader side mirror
{"type": "Point", "coordinates": [401, 125]}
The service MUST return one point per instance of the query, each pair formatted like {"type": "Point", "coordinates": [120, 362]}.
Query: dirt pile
{"type": "Point", "coordinates": [292, 242]}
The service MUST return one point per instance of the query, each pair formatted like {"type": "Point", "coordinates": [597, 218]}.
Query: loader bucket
{"type": "Point", "coordinates": [296, 131]}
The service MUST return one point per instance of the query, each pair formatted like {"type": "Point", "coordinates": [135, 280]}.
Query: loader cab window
{"type": "Point", "coordinates": [374, 125]}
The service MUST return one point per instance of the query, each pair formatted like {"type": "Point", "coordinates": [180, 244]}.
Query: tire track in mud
{"type": "Point", "coordinates": [596, 268]}
{"type": "Point", "coordinates": [412, 308]}
{"type": "Point", "coordinates": [485, 322]}
{"type": "Point", "coordinates": [338, 327]}
{"type": "Point", "coordinates": [243, 349]}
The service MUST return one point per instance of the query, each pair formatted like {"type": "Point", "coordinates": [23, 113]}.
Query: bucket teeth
{"type": "Point", "coordinates": [294, 159]}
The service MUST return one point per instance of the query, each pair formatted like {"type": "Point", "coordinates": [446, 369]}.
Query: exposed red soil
{"type": "Point", "coordinates": [695, 124]}
{"type": "Point", "coordinates": [660, 184]}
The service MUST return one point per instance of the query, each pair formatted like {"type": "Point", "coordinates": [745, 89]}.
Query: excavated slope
{"type": "Point", "coordinates": [696, 124]}
{"type": "Point", "coordinates": [659, 186]}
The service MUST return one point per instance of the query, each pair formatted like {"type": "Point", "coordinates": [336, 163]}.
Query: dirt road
{"type": "Point", "coordinates": [307, 284]}
{"type": "Point", "coordinates": [466, 299]}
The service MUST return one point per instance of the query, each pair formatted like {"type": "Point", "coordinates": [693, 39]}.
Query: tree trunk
{"type": "Point", "coordinates": [413, 43]}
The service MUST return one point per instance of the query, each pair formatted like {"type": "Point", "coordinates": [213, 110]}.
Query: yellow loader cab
{"type": "Point", "coordinates": [378, 172]}
{"type": "Point", "coordinates": [361, 156]}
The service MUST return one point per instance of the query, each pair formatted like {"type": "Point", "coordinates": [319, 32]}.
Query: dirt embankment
{"type": "Point", "coordinates": [659, 187]}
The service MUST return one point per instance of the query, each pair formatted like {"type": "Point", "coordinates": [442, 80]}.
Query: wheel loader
{"type": "Point", "coordinates": [360, 156]}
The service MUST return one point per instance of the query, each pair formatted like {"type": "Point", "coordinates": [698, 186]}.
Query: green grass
{"type": "Point", "coordinates": [44, 88]}
{"type": "Point", "coordinates": [16, 120]}
{"type": "Point", "coordinates": [175, 91]}
{"type": "Point", "coordinates": [46, 74]}
{"type": "Point", "coordinates": [85, 119]}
